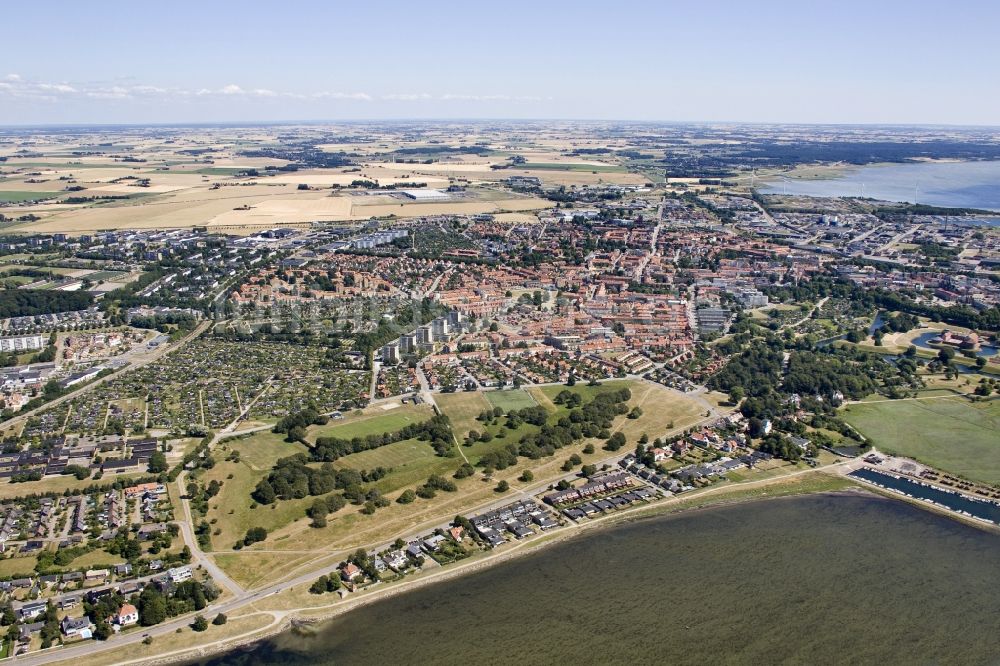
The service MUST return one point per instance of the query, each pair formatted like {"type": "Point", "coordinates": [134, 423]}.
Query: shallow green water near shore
{"type": "Point", "coordinates": [822, 579]}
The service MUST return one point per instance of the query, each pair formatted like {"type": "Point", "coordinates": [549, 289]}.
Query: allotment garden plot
{"type": "Point", "coordinates": [210, 383]}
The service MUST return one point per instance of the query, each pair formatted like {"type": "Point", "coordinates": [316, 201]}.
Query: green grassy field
{"type": "Point", "coordinates": [15, 281]}
{"type": "Point", "coordinates": [18, 566]}
{"type": "Point", "coordinates": [545, 394]}
{"type": "Point", "coordinates": [220, 171]}
{"type": "Point", "coordinates": [463, 408]}
{"type": "Point", "coordinates": [373, 421]}
{"type": "Point", "coordinates": [952, 434]}
{"type": "Point", "coordinates": [15, 196]}
{"type": "Point", "coordinates": [569, 166]}
{"type": "Point", "coordinates": [93, 559]}
{"type": "Point", "coordinates": [663, 410]}
{"type": "Point", "coordinates": [232, 506]}
{"type": "Point", "coordinates": [509, 400]}
{"type": "Point", "coordinates": [411, 462]}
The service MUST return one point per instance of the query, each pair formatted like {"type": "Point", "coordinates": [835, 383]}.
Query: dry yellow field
{"type": "Point", "coordinates": [193, 179]}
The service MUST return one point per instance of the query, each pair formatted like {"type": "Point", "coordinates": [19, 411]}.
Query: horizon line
{"type": "Point", "coordinates": [359, 121]}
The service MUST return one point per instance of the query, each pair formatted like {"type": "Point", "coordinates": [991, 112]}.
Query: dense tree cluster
{"type": "Point", "coordinates": [435, 483]}
{"type": "Point", "coordinates": [30, 302]}
{"type": "Point", "coordinates": [756, 370]}
{"type": "Point", "coordinates": [293, 478]}
{"type": "Point", "coordinates": [295, 424]}
{"type": "Point", "coordinates": [826, 374]}
{"type": "Point", "coordinates": [593, 419]}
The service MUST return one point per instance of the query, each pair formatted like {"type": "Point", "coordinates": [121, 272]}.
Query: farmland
{"type": "Point", "coordinates": [572, 166]}
{"type": "Point", "coordinates": [17, 197]}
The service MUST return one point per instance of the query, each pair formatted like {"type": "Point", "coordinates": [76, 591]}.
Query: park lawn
{"type": "Point", "coordinates": [510, 399]}
{"type": "Point", "coordinates": [952, 434]}
{"type": "Point", "coordinates": [349, 529]}
{"type": "Point", "coordinates": [375, 420]}
{"type": "Point", "coordinates": [11, 567]}
{"type": "Point", "coordinates": [480, 448]}
{"type": "Point", "coordinates": [583, 388]}
{"type": "Point", "coordinates": [232, 506]}
{"type": "Point", "coordinates": [663, 411]}
{"type": "Point", "coordinates": [410, 460]}
{"type": "Point", "coordinates": [12, 430]}
{"type": "Point", "coordinates": [937, 383]}
{"type": "Point", "coordinates": [463, 408]}
{"type": "Point", "coordinates": [660, 406]}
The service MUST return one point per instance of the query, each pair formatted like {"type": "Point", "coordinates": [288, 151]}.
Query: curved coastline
{"type": "Point", "coordinates": [659, 512]}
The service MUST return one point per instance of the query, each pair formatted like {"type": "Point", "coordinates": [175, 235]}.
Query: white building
{"type": "Point", "coordinates": [426, 195]}
{"type": "Point", "coordinates": [19, 343]}
{"type": "Point", "coordinates": [179, 574]}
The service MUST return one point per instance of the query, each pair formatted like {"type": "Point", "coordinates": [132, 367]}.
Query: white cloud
{"type": "Point", "coordinates": [13, 85]}
{"type": "Point", "coordinates": [56, 87]}
{"type": "Point", "coordinates": [407, 97]}
{"type": "Point", "coordinates": [341, 95]}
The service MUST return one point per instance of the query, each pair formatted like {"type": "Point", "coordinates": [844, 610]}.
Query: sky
{"type": "Point", "coordinates": [877, 61]}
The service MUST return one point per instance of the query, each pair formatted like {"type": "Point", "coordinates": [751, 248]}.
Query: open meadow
{"type": "Point", "coordinates": [950, 433]}
{"type": "Point", "coordinates": [409, 462]}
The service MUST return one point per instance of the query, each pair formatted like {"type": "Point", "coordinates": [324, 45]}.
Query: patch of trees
{"type": "Point", "coordinates": [155, 607]}
{"type": "Point", "coordinates": [324, 506]}
{"type": "Point", "coordinates": [302, 157]}
{"type": "Point", "coordinates": [870, 299]}
{"type": "Point", "coordinates": [435, 483]}
{"type": "Point", "coordinates": [166, 322]}
{"type": "Point", "coordinates": [30, 302]}
{"type": "Point", "coordinates": [756, 370]}
{"type": "Point", "coordinates": [254, 535]}
{"type": "Point", "coordinates": [824, 374]}
{"type": "Point", "coordinates": [325, 584]}
{"type": "Point", "coordinates": [292, 478]}
{"type": "Point", "coordinates": [295, 424]}
{"type": "Point", "coordinates": [593, 419]}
